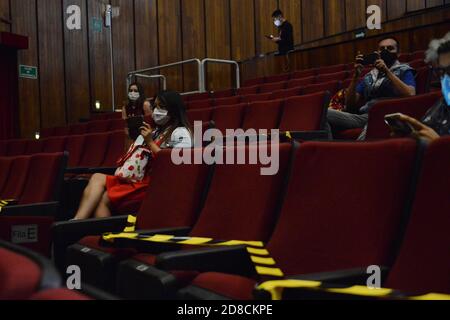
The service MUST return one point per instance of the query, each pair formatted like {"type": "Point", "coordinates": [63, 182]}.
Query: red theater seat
{"type": "Point", "coordinates": [223, 94]}
{"type": "Point", "coordinates": [98, 126]}
{"type": "Point", "coordinates": [271, 87]}
{"type": "Point", "coordinates": [199, 104]}
{"type": "Point", "coordinates": [423, 79]}
{"type": "Point", "coordinates": [256, 97]}
{"type": "Point", "coordinates": [295, 83]}
{"type": "Point", "coordinates": [304, 74]}
{"type": "Point", "coordinates": [287, 93]}
{"type": "Point", "coordinates": [278, 78]}
{"type": "Point", "coordinates": [16, 147]}
{"type": "Point", "coordinates": [228, 117]}
{"type": "Point", "coordinates": [116, 149]}
{"type": "Point", "coordinates": [117, 124]}
{"type": "Point", "coordinates": [77, 129]}
{"type": "Point", "coordinates": [262, 115]}
{"type": "Point", "coordinates": [14, 186]}
{"type": "Point", "coordinates": [331, 87]}
{"type": "Point", "coordinates": [332, 69]}
{"type": "Point", "coordinates": [247, 90]}
{"type": "Point", "coordinates": [254, 82]}
{"type": "Point", "coordinates": [56, 144]}
{"type": "Point", "coordinates": [338, 76]}
{"type": "Point", "coordinates": [203, 115]}
{"type": "Point", "coordinates": [34, 146]}
{"type": "Point", "coordinates": [227, 101]}
{"type": "Point", "coordinates": [5, 167]}
{"type": "Point", "coordinates": [75, 145]}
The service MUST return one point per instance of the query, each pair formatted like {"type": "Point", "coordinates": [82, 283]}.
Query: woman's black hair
{"type": "Point", "coordinates": [173, 102]}
{"type": "Point", "coordinates": [139, 103]}
{"type": "Point", "coordinates": [444, 48]}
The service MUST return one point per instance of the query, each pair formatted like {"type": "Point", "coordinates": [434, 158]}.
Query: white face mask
{"type": "Point", "coordinates": [134, 96]}
{"type": "Point", "coordinates": [161, 117]}
{"type": "Point", "coordinates": [277, 23]}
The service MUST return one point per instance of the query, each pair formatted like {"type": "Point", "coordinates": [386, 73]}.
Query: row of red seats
{"type": "Point", "coordinates": [99, 126]}
{"type": "Point", "coordinates": [309, 227]}
{"type": "Point", "coordinates": [98, 150]}
{"type": "Point", "coordinates": [302, 113]}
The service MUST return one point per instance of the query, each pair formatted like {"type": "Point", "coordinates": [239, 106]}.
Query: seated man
{"type": "Point", "coordinates": [436, 122]}
{"type": "Point", "coordinates": [389, 79]}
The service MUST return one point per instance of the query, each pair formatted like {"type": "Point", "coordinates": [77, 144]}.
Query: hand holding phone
{"type": "Point", "coordinates": [397, 125]}
{"type": "Point", "coordinates": [370, 59]}
{"type": "Point", "coordinates": [134, 125]}
{"type": "Point", "coordinates": [269, 37]}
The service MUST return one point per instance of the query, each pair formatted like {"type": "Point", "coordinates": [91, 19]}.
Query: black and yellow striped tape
{"type": "Point", "coordinates": [5, 203]}
{"type": "Point", "coordinates": [276, 289]}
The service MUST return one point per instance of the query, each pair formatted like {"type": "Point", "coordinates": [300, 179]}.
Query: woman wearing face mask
{"type": "Point", "coordinates": [436, 122]}
{"type": "Point", "coordinates": [129, 184]}
{"type": "Point", "coordinates": [137, 104]}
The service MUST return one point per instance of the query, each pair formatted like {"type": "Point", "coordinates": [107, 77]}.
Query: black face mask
{"type": "Point", "coordinates": [388, 57]}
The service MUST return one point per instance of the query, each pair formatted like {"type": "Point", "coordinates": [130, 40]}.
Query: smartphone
{"type": "Point", "coordinates": [397, 125]}
{"type": "Point", "coordinates": [134, 125]}
{"type": "Point", "coordinates": [370, 59]}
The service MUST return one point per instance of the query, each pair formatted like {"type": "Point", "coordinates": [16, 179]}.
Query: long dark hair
{"type": "Point", "coordinates": [176, 109]}
{"type": "Point", "coordinates": [139, 103]}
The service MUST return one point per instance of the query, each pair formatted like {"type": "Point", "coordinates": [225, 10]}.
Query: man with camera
{"type": "Point", "coordinates": [388, 79]}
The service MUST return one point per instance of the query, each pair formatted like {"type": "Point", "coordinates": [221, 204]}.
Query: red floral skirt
{"type": "Point", "coordinates": [122, 193]}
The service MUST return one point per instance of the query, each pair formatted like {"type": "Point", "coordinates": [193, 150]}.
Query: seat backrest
{"type": "Point", "coordinates": [415, 107]}
{"type": "Point", "coordinates": [197, 97]}
{"type": "Point", "coordinates": [247, 90]}
{"type": "Point", "coordinates": [271, 87]}
{"type": "Point", "coordinates": [5, 166]}
{"type": "Point", "coordinates": [200, 104]}
{"type": "Point", "coordinates": [44, 179]}
{"type": "Point", "coordinates": [61, 131]}
{"type": "Point", "coordinates": [98, 126]}
{"type": "Point", "coordinates": [16, 147]}
{"type": "Point", "coordinates": [165, 206]}
{"type": "Point", "coordinates": [203, 115]}
{"type": "Point", "coordinates": [305, 113]}
{"type": "Point", "coordinates": [295, 83]}
{"type": "Point", "coordinates": [286, 93]}
{"type": "Point", "coordinates": [423, 79]}
{"type": "Point", "coordinates": [263, 115]}
{"type": "Point", "coordinates": [229, 117]}
{"type": "Point", "coordinates": [404, 57]}
{"type": "Point", "coordinates": [94, 150]}
{"type": "Point", "coordinates": [344, 206]}
{"type": "Point", "coordinates": [251, 201]}
{"type": "Point", "coordinates": [55, 144]}
{"type": "Point", "coordinates": [417, 64]}
{"type": "Point", "coordinates": [423, 264]}
{"type": "Point", "coordinates": [75, 145]}
{"type": "Point", "coordinates": [34, 146]}
{"type": "Point", "coordinates": [116, 149]}
{"type": "Point", "coordinates": [418, 55]}
{"type": "Point", "coordinates": [337, 76]}
{"type": "Point", "coordinates": [116, 124]}
{"type": "Point", "coordinates": [3, 148]}
{"type": "Point", "coordinates": [223, 94]}
{"type": "Point", "coordinates": [46, 133]}
{"type": "Point", "coordinates": [304, 74]}
{"type": "Point", "coordinates": [227, 101]}
{"type": "Point", "coordinates": [278, 78]}
{"type": "Point", "coordinates": [17, 178]}
{"type": "Point", "coordinates": [332, 69]}
{"type": "Point", "coordinates": [254, 82]}
{"type": "Point", "coordinates": [79, 128]}
{"type": "Point", "coordinates": [257, 97]}
{"type": "Point", "coordinates": [331, 87]}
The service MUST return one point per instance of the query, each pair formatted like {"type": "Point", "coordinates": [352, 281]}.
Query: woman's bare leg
{"type": "Point", "coordinates": [91, 197]}
{"type": "Point", "coordinates": [103, 208]}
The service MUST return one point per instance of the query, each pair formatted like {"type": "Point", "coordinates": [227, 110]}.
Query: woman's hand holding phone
{"type": "Point", "coordinates": [399, 123]}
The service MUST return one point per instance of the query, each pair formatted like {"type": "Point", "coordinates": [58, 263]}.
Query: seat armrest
{"type": "Point", "coordinates": [310, 135]}
{"type": "Point", "coordinates": [45, 209]}
{"type": "Point", "coordinates": [231, 260]}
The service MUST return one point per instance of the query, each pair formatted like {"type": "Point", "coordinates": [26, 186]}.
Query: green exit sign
{"type": "Point", "coordinates": [28, 72]}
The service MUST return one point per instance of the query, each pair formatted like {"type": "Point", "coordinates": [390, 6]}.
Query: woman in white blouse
{"type": "Point", "coordinates": [129, 184]}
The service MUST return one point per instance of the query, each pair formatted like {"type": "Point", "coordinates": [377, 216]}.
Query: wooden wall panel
{"type": "Point", "coordinates": [355, 14]}
{"type": "Point", "coordinates": [124, 49]}
{"type": "Point", "coordinates": [218, 43]}
{"type": "Point", "coordinates": [434, 3]}
{"type": "Point", "coordinates": [5, 13]}
{"type": "Point", "coordinates": [264, 25]}
{"type": "Point", "coordinates": [23, 14]}
{"type": "Point", "coordinates": [414, 5]}
{"type": "Point", "coordinates": [146, 37]}
{"type": "Point", "coordinates": [313, 20]}
{"type": "Point", "coordinates": [99, 58]}
{"type": "Point", "coordinates": [334, 16]}
{"type": "Point", "coordinates": [242, 29]}
{"type": "Point", "coordinates": [170, 48]}
{"type": "Point", "coordinates": [76, 55]}
{"type": "Point", "coordinates": [292, 10]}
{"type": "Point", "coordinates": [396, 9]}
{"type": "Point", "coordinates": [194, 45]}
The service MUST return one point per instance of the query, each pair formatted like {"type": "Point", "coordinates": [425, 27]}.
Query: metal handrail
{"type": "Point", "coordinates": [169, 65]}
{"type": "Point", "coordinates": [238, 72]}
{"type": "Point", "coordinates": [140, 75]}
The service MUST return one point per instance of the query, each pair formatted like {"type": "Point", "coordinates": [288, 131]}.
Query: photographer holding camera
{"type": "Point", "coordinates": [388, 79]}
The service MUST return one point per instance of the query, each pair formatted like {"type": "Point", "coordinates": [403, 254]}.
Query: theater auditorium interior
{"type": "Point", "coordinates": [240, 150]}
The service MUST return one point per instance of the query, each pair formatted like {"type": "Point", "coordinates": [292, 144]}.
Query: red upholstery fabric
{"type": "Point", "coordinates": [278, 78]}
{"type": "Point", "coordinates": [74, 145]}
{"type": "Point", "coordinates": [55, 144]}
{"type": "Point", "coordinates": [405, 57]}
{"type": "Point", "coordinates": [287, 93]}
{"type": "Point", "coordinates": [356, 221]}
{"type": "Point", "coordinates": [271, 87]}
{"type": "Point", "coordinates": [304, 113]}
{"type": "Point", "coordinates": [254, 82]}
{"type": "Point", "coordinates": [14, 186]}
{"type": "Point", "coordinates": [263, 115]}
{"type": "Point", "coordinates": [332, 69]}
{"type": "Point", "coordinates": [34, 146]}
{"type": "Point", "coordinates": [423, 263]}
{"type": "Point", "coordinates": [223, 94]}
{"type": "Point", "coordinates": [116, 124]}
{"type": "Point", "coordinates": [304, 74]}
{"type": "Point", "coordinates": [247, 90]}
{"type": "Point", "coordinates": [256, 97]}
{"type": "Point", "coordinates": [46, 133]}
{"type": "Point", "coordinates": [236, 218]}
{"type": "Point", "coordinates": [5, 165]}
{"type": "Point", "coordinates": [229, 117]}
{"type": "Point", "coordinates": [116, 149]}
{"type": "Point", "coordinates": [59, 295]}
{"type": "Point", "coordinates": [415, 107]}
{"type": "Point", "coordinates": [94, 150]}
{"type": "Point", "coordinates": [197, 97]}
{"type": "Point", "coordinates": [16, 147]}
{"type": "Point", "coordinates": [417, 64]}
{"type": "Point", "coordinates": [294, 83]}
{"type": "Point", "coordinates": [200, 104]}
{"type": "Point", "coordinates": [61, 131]}
{"type": "Point", "coordinates": [338, 76]}
{"type": "Point", "coordinates": [227, 101]}
{"type": "Point", "coordinates": [351, 134]}
{"type": "Point", "coordinates": [77, 129]}
{"type": "Point", "coordinates": [19, 276]}
{"type": "Point", "coordinates": [41, 182]}
{"type": "Point", "coordinates": [230, 286]}
{"type": "Point", "coordinates": [98, 126]}
{"type": "Point", "coordinates": [3, 148]}
{"type": "Point", "coordinates": [332, 87]}
{"type": "Point", "coordinates": [417, 55]}
{"type": "Point", "coordinates": [203, 115]}
{"type": "Point", "coordinates": [423, 79]}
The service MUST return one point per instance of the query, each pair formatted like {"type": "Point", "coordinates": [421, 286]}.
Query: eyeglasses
{"type": "Point", "coordinates": [440, 71]}
{"type": "Point", "coordinates": [388, 48]}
